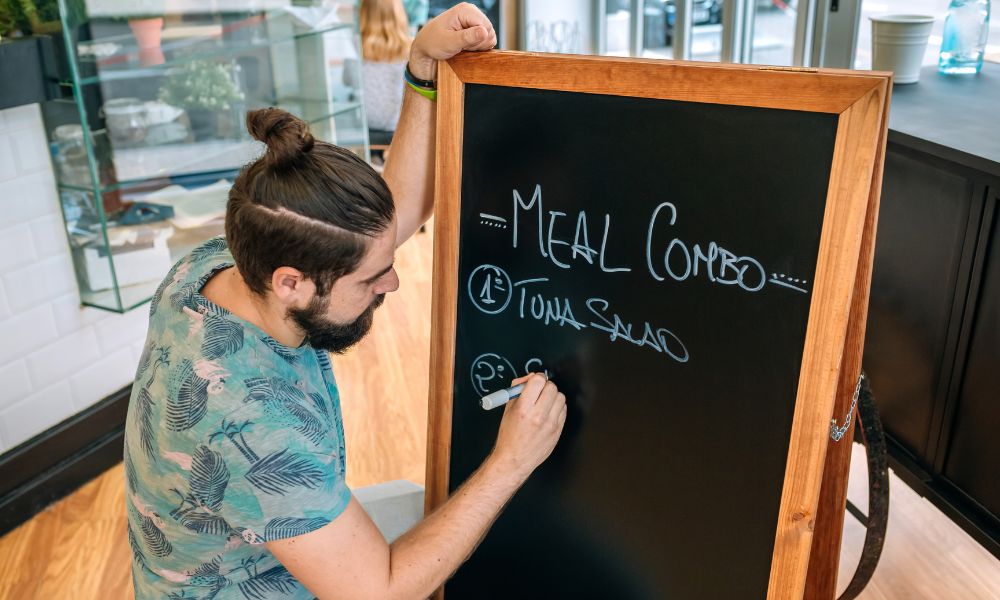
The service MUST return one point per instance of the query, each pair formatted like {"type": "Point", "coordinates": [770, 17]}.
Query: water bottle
{"type": "Point", "coordinates": [965, 31]}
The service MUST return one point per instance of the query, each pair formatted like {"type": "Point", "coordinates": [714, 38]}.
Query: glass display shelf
{"type": "Point", "coordinates": [119, 56]}
{"type": "Point", "coordinates": [149, 132]}
{"type": "Point", "coordinates": [123, 164]}
{"type": "Point", "coordinates": [119, 261]}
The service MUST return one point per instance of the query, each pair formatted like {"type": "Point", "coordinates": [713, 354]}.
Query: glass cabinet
{"type": "Point", "coordinates": [149, 130]}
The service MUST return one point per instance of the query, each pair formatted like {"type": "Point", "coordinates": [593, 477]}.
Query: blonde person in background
{"type": "Point", "coordinates": [385, 45]}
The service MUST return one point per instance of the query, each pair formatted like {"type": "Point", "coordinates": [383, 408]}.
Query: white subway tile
{"type": "Point", "coordinates": [137, 347]}
{"type": "Point", "coordinates": [16, 248]}
{"type": "Point", "coordinates": [25, 332]}
{"type": "Point", "coordinates": [26, 115]}
{"type": "Point", "coordinates": [122, 331]}
{"type": "Point", "coordinates": [4, 309]}
{"type": "Point", "coordinates": [8, 168]}
{"type": "Point", "coordinates": [14, 383]}
{"type": "Point", "coordinates": [102, 378]}
{"type": "Point", "coordinates": [67, 356]}
{"type": "Point", "coordinates": [27, 197]}
{"type": "Point", "coordinates": [72, 316]}
{"type": "Point", "coordinates": [49, 234]}
{"type": "Point", "coordinates": [36, 413]}
{"type": "Point", "coordinates": [41, 282]}
{"type": "Point", "coordinates": [31, 149]}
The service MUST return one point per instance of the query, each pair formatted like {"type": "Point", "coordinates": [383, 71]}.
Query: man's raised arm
{"type": "Point", "coordinates": [409, 169]}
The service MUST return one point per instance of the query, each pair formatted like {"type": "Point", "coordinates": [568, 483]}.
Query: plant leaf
{"type": "Point", "coordinates": [156, 542]}
{"type": "Point", "coordinates": [222, 337]}
{"type": "Point", "coordinates": [189, 404]}
{"type": "Point", "coordinates": [279, 471]}
{"type": "Point", "coordinates": [169, 279]}
{"type": "Point", "coordinates": [209, 477]}
{"type": "Point", "coordinates": [205, 523]}
{"type": "Point", "coordinates": [320, 403]}
{"type": "Point", "coordinates": [212, 246]}
{"type": "Point", "coordinates": [283, 351]}
{"type": "Point", "coordinates": [144, 408]}
{"type": "Point", "coordinates": [276, 580]}
{"type": "Point", "coordinates": [137, 555]}
{"type": "Point", "coordinates": [184, 297]}
{"type": "Point", "coordinates": [130, 475]}
{"type": "Point", "coordinates": [286, 527]}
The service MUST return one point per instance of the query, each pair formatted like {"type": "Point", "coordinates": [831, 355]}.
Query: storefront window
{"type": "Point", "coordinates": [773, 32]}
{"type": "Point", "coordinates": [773, 29]}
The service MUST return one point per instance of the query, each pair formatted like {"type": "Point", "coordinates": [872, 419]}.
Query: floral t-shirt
{"type": "Point", "coordinates": [231, 440]}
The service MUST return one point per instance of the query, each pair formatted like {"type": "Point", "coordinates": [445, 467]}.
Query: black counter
{"type": "Point", "coordinates": [954, 117]}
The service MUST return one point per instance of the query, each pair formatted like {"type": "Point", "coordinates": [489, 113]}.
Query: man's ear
{"type": "Point", "coordinates": [290, 286]}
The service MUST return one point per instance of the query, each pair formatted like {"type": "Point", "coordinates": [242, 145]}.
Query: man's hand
{"type": "Point", "coordinates": [461, 27]}
{"type": "Point", "coordinates": [531, 426]}
{"type": "Point", "coordinates": [349, 559]}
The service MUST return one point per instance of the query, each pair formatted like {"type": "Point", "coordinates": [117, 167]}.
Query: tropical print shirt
{"type": "Point", "coordinates": [231, 440]}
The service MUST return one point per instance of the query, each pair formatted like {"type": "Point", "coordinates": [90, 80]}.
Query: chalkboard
{"type": "Point", "coordinates": [660, 259]}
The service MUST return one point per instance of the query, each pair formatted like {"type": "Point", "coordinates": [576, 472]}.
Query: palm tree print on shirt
{"type": "Point", "coordinates": [152, 356]}
{"type": "Point", "coordinates": [278, 472]}
{"type": "Point", "coordinates": [222, 336]}
{"type": "Point", "coordinates": [207, 487]}
{"type": "Point", "coordinates": [189, 387]}
{"type": "Point", "coordinates": [258, 585]}
{"type": "Point", "coordinates": [286, 404]}
{"type": "Point", "coordinates": [151, 528]}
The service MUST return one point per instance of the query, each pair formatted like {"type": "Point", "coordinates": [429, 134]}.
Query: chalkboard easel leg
{"type": "Point", "coordinates": [824, 558]}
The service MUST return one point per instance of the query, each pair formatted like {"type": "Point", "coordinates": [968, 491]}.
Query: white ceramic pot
{"type": "Point", "coordinates": [898, 45]}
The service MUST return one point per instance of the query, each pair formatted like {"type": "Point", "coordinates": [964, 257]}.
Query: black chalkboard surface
{"type": "Point", "coordinates": [657, 258]}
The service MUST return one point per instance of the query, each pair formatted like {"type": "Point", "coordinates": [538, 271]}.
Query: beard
{"type": "Point", "coordinates": [329, 335]}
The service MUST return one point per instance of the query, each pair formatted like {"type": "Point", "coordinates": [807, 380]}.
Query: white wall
{"type": "Point", "coordinates": [56, 358]}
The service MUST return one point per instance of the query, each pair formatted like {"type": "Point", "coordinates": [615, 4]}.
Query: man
{"type": "Point", "coordinates": [234, 453]}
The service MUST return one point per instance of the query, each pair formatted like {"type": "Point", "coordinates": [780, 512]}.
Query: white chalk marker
{"type": "Point", "coordinates": [500, 397]}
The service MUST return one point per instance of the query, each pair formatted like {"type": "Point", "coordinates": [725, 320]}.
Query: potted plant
{"type": "Point", "coordinates": [30, 17]}
{"type": "Point", "coordinates": [148, 32]}
{"type": "Point", "coordinates": [146, 23]}
{"type": "Point", "coordinates": [27, 59]}
{"type": "Point", "coordinates": [144, 18]}
{"type": "Point", "coordinates": [204, 89]}
{"type": "Point", "coordinates": [8, 25]}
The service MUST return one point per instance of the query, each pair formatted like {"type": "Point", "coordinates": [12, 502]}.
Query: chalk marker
{"type": "Point", "coordinates": [500, 397]}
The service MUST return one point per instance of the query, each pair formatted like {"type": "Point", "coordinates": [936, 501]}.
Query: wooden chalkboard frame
{"type": "Point", "coordinates": [839, 301]}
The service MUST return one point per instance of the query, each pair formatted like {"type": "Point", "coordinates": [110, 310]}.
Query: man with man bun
{"type": "Point", "coordinates": [234, 446]}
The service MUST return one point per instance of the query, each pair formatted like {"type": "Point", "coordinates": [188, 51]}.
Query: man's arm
{"type": "Point", "coordinates": [349, 559]}
{"type": "Point", "coordinates": [409, 170]}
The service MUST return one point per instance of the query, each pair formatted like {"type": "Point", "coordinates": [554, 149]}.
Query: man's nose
{"type": "Point", "coordinates": [390, 284]}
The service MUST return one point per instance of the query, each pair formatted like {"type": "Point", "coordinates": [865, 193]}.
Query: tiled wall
{"type": "Point", "coordinates": [56, 358]}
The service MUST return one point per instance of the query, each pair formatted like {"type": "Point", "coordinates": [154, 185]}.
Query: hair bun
{"type": "Point", "coordinates": [287, 137]}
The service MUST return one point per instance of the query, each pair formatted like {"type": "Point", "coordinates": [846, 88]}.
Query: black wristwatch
{"type": "Point", "coordinates": [429, 84]}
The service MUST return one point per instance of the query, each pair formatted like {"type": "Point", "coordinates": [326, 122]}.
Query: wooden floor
{"type": "Point", "coordinates": [78, 548]}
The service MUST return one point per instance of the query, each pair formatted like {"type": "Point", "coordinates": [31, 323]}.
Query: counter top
{"type": "Point", "coordinates": [953, 117]}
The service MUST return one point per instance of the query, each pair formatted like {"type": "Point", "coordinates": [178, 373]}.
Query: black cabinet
{"type": "Point", "coordinates": [972, 457]}
{"type": "Point", "coordinates": [932, 349]}
{"type": "Point", "coordinates": [923, 221]}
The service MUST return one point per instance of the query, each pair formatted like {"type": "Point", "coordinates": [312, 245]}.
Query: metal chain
{"type": "Point", "coordinates": [837, 433]}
